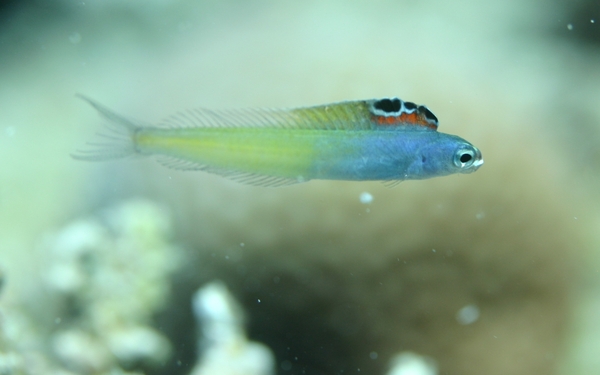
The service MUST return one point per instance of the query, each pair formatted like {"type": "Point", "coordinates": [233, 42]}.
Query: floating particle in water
{"type": "Point", "coordinates": [10, 131]}
{"type": "Point", "coordinates": [373, 355]}
{"type": "Point", "coordinates": [570, 26]}
{"type": "Point", "coordinates": [408, 363]}
{"type": "Point", "coordinates": [184, 26]}
{"type": "Point", "coordinates": [467, 315]}
{"type": "Point", "coordinates": [286, 365]}
{"type": "Point", "coordinates": [75, 38]}
{"type": "Point", "coordinates": [366, 198]}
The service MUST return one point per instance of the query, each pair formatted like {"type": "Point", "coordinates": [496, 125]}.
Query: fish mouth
{"type": "Point", "coordinates": [478, 161]}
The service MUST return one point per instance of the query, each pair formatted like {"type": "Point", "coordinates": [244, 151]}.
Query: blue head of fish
{"type": "Point", "coordinates": [441, 155]}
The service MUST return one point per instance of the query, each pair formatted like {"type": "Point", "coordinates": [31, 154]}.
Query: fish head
{"type": "Point", "coordinates": [445, 155]}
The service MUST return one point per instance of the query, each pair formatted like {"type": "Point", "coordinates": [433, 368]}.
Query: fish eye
{"type": "Point", "coordinates": [464, 158]}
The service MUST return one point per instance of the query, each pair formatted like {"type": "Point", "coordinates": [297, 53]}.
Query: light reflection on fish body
{"type": "Point", "coordinates": [387, 139]}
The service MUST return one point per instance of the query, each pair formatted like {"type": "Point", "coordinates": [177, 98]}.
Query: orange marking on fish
{"type": "Point", "coordinates": [387, 120]}
{"type": "Point", "coordinates": [416, 119]}
{"type": "Point", "coordinates": [405, 119]}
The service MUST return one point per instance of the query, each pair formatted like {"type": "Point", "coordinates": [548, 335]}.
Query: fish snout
{"type": "Point", "coordinates": [477, 160]}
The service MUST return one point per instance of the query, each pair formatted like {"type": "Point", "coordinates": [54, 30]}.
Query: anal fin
{"type": "Point", "coordinates": [246, 178]}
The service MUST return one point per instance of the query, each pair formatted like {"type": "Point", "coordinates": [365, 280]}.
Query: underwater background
{"type": "Point", "coordinates": [127, 267]}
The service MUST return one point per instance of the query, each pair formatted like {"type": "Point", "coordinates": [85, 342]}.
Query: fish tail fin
{"type": "Point", "coordinates": [116, 141]}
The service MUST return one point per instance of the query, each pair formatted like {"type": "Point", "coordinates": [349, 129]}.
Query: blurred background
{"type": "Point", "coordinates": [127, 267]}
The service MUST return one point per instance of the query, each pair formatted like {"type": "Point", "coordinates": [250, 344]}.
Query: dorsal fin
{"type": "Point", "coordinates": [337, 116]}
{"type": "Point", "coordinates": [396, 112]}
{"type": "Point", "coordinates": [350, 115]}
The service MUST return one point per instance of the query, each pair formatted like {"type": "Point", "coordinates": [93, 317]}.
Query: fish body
{"type": "Point", "coordinates": [386, 139]}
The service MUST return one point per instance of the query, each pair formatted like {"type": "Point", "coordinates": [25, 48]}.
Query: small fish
{"type": "Point", "coordinates": [379, 139]}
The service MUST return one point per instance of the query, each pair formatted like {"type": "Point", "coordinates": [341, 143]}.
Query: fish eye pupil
{"type": "Point", "coordinates": [466, 157]}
